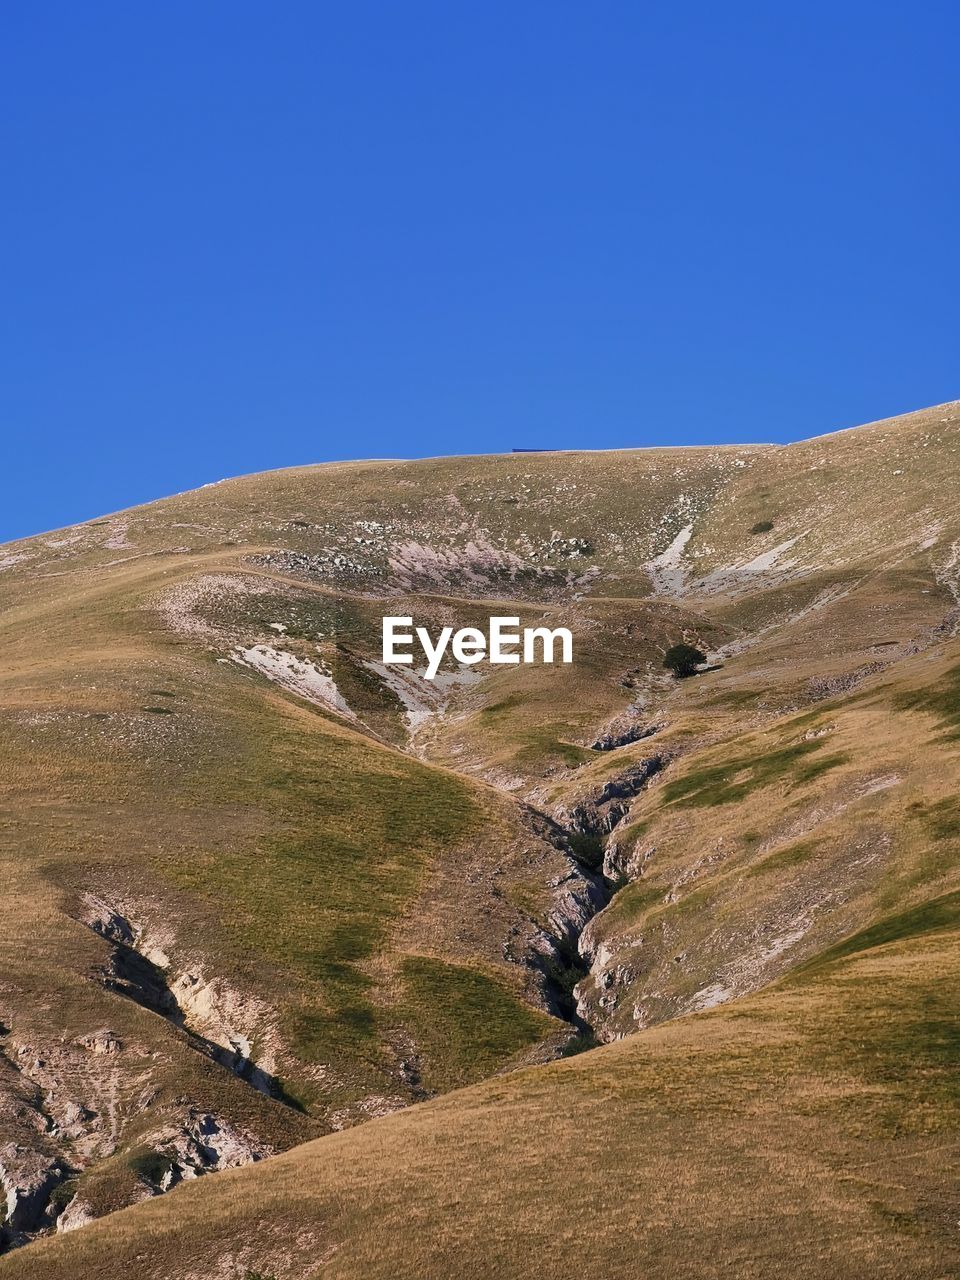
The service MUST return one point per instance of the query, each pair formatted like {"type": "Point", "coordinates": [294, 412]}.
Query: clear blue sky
{"type": "Point", "coordinates": [243, 235]}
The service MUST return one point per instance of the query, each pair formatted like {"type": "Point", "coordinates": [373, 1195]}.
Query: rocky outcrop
{"type": "Point", "coordinates": [228, 1025]}
{"type": "Point", "coordinates": [584, 889]}
{"type": "Point", "coordinates": [28, 1179]}
{"type": "Point", "coordinates": [66, 1103]}
{"type": "Point", "coordinates": [577, 895]}
{"type": "Point", "coordinates": [622, 864]}
{"type": "Point", "coordinates": [201, 1143]}
{"type": "Point", "coordinates": [60, 1134]}
{"type": "Point", "coordinates": [607, 973]}
{"type": "Point", "coordinates": [623, 733]}
{"type": "Point", "coordinates": [597, 813]}
{"type": "Point", "coordinates": [76, 1214]}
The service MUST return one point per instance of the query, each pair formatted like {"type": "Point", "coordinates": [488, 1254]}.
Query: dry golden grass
{"type": "Point", "coordinates": [805, 1131]}
{"type": "Point", "coordinates": [380, 902]}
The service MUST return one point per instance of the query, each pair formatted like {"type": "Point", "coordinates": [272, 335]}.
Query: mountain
{"type": "Point", "coordinates": [669, 967]}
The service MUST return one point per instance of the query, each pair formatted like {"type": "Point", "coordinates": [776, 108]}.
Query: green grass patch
{"type": "Point", "coordinates": [910, 1045]}
{"type": "Point", "coordinates": [941, 701]}
{"type": "Point", "coordinates": [464, 1022]}
{"type": "Point", "coordinates": [736, 778]}
{"type": "Point", "coordinates": [637, 897]}
{"type": "Point", "coordinates": [793, 855]}
{"type": "Point", "coordinates": [807, 719]}
{"type": "Point", "coordinates": [497, 710]}
{"type": "Point", "coordinates": [816, 768]}
{"type": "Point", "coordinates": [943, 818]}
{"type": "Point", "coordinates": [353, 829]}
{"type": "Point", "coordinates": [640, 901]}
{"type": "Point", "coordinates": [939, 915]}
{"type": "Point", "coordinates": [62, 1194]}
{"type": "Point", "coordinates": [588, 850]}
{"type": "Point", "coordinates": [151, 1166]}
{"type": "Point", "coordinates": [631, 833]}
{"type": "Point", "coordinates": [539, 746]}
{"type": "Point", "coordinates": [372, 701]}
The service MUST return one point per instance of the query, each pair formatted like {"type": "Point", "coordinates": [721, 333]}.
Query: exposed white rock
{"type": "Point", "coordinates": [948, 571]}
{"type": "Point", "coordinates": [77, 1214]}
{"type": "Point", "coordinates": [201, 1143]}
{"type": "Point", "coordinates": [210, 1142]}
{"type": "Point", "coordinates": [422, 699]}
{"type": "Point", "coordinates": [27, 1179]}
{"type": "Point", "coordinates": [102, 1042]}
{"type": "Point", "coordinates": [478, 563]}
{"type": "Point", "coordinates": [419, 697]}
{"type": "Point", "coordinates": [767, 560]}
{"type": "Point", "coordinates": [709, 997]}
{"type": "Point", "coordinates": [210, 1008]}
{"type": "Point", "coordinates": [237, 1022]}
{"type": "Point", "coordinates": [117, 539]}
{"type": "Point", "coordinates": [576, 899]}
{"type": "Point", "coordinates": [666, 570]}
{"type": "Point", "coordinates": [298, 675]}
{"type": "Point", "coordinates": [625, 864]}
{"type": "Point", "coordinates": [117, 922]}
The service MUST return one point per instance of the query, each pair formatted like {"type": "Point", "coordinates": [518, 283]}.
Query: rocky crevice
{"type": "Point", "coordinates": [577, 893]}
{"type": "Point", "coordinates": [31, 1170]}
{"type": "Point", "coordinates": [45, 1192]}
{"type": "Point", "coordinates": [60, 1114]}
{"type": "Point", "coordinates": [215, 1020]}
{"type": "Point", "coordinates": [202, 1143]}
{"type": "Point", "coordinates": [28, 1180]}
{"type": "Point", "coordinates": [600, 812]}
{"type": "Point", "coordinates": [597, 870]}
{"type": "Point", "coordinates": [623, 736]}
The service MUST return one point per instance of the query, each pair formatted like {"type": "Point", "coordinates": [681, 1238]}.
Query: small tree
{"type": "Point", "coordinates": [683, 660]}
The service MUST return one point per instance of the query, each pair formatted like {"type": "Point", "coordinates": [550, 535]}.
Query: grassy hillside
{"type": "Point", "coordinates": [261, 889]}
{"type": "Point", "coordinates": [805, 1131]}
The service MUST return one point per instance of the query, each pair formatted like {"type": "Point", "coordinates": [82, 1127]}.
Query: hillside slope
{"type": "Point", "coordinates": [261, 888]}
{"type": "Point", "coordinates": [808, 1131]}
